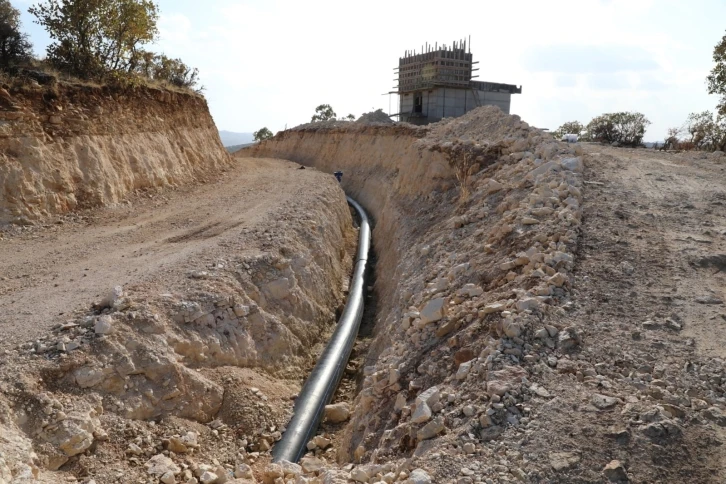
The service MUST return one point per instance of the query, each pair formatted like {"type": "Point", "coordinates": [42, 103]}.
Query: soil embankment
{"type": "Point", "coordinates": [69, 146]}
{"type": "Point", "coordinates": [227, 290]}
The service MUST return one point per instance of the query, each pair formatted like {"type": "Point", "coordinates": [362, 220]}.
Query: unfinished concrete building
{"type": "Point", "coordinates": [438, 83]}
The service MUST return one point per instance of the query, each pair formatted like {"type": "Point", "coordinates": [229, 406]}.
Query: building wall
{"type": "Point", "coordinates": [449, 102]}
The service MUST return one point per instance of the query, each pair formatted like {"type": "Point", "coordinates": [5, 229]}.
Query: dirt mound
{"type": "Point", "coordinates": [373, 117]}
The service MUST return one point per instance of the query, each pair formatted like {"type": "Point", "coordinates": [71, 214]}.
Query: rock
{"type": "Point", "coordinates": [561, 461]}
{"type": "Point", "coordinates": [715, 415]}
{"type": "Point", "coordinates": [471, 290]}
{"type": "Point", "coordinates": [511, 328]}
{"type": "Point", "coordinates": [360, 474]}
{"type": "Point", "coordinates": [208, 477]}
{"type": "Point", "coordinates": [615, 472]}
{"type": "Point", "coordinates": [469, 448]}
{"type": "Point", "coordinates": [502, 381]}
{"type": "Point", "coordinates": [558, 279]}
{"type": "Point", "coordinates": [134, 449]}
{"type": "Point", "coordinates": [104, 325]}
{"type": "Point", "coordinates": [627, 268]}
{"type": "Point", "coordinates": [469, 410]}
{"type": "Point", "coordinates": [168, 478]}
{"type": "Point", "coordinates": [160, 465]}
{"type": "Point", "coordinates": [321, 442]}
{"type": "Point", "coordinates": [709, 299]}
{"type": "Point", "coordinates": [433, 311]}
{"type": "Point", "coordinates": [527, 304]}
{"type": "Point", "coordinates": [400, 402]}
{"type": "Point", "coordinates": [110, 300]}
{"type": "Point", "coordinates": [540, 391]}
{"type": "Point", "coordinates": [463, 370]}
{"type": "Point", "coordinates": [243, 471]}
{"type": "Point", "coordinates": [569, 339]}
{"type": "Point", "coordinates": [430, 397]}
{"type": "Point", "coordinates": [672, 325]}
{"type": "Point", "coordinates": [177, 445]}
{"type": "Point", "coordinates": [312, 464]}
{"type": "Point", "coordinates": [493, 308]}
{"type": "Point", "coordinates": [272, 472]}
{"type": "Point", "coordinates": [337, 413]}
{"type": "Point", "coordinates": [418, 476]}
{"type": "Point", "coordinates": [290, 468]}
{"type": "Point", "coordinates": [431, 429]}
{"type": "Point", "coordinates": [573, 164]}
{"type": "Point", "coordinates": [603, 402]}
{"type": "Point", "coordinates": [241, 310]}
{"type": "Point", "coordinates": [421, 414]}
{"type": "Point", "coordinates": [87, 377]}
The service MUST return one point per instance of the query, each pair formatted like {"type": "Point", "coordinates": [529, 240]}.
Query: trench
{"type": "Point", "coordinates": [323, 381]}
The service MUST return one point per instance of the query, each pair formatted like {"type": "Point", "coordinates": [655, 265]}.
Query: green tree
{"type": "Point", "coordinates": [324, 113]}
{"type": "Point", "coordinates": [350, 117]}
{"type": "Point", "coordinates": [14, 45]}
{"type": "Point", "coordinates": [93, 37]}
{"type": "Point", "coordinates": [570, 127]}
{"type": "Point", "coordinates": [717, 78]}
{"type": "Point", "coordinates": [624, 128]}
{"type": "Point", "coordinates": [262, 134]}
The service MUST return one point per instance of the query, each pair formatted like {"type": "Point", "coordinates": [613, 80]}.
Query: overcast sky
{"type": "Point", "coordinates": [269, 63]}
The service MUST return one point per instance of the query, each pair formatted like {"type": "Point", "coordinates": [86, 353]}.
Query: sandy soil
{"type": "Point", "coordinates": [47, 271]}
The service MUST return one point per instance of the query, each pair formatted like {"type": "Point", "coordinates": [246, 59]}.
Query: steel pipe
{"type": "Point", "coordinates": [325, 377]}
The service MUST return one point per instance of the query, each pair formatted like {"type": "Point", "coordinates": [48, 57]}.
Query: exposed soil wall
{"type": "Point", "coordinates": [70, 146]}
{"type": "Point", "coordinates": [385, 168]}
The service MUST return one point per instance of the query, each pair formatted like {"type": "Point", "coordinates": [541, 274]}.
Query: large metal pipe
{"type": "Point", "coordinates": [325, 377]}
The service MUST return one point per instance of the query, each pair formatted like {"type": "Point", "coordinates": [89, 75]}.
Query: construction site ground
{"type": "Point", "coordinates": [648, 296]}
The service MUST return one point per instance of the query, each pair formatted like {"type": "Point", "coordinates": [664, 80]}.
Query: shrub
{"type": "Point", "coordinates": [570, 127]}
{"type": "Point", "coordinates": [625, 128]}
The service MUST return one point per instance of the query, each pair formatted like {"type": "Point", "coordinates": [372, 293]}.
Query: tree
{"type": "Point", "coordinates": [94, 37]}
{"type": "Point", "coordinates": [350, 117]}
{"type": "Point", "coordinates": [626, 129]}
{"type": "Point", "coordinates": [14, 45]}
{"type": "Point", "coordinates": [324, 113]}
{"type": "Point", "coordinates": [570, 127]}
{"type": "Point", "coordinates": [708, 132]}
{"type": "Point", "coordinates": [717, 78]}
{"type": "Point", "coordinates": [262, 134]}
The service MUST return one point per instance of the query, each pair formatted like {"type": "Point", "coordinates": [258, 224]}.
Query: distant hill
{"type": "Point", "coordinates": [230, 138]}
{"type": "Point", "coordinates": [234, 148]}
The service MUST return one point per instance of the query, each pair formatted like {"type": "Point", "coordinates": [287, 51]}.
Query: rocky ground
{"type": "Point", "coordinates": [556, 315]}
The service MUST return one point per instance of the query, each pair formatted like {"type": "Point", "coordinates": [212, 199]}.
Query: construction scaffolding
{"type": "Point", "coordinates": [438, 82]}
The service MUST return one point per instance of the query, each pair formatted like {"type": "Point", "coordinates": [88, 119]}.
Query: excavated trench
{"type": "Point", "coordinates": [474, 236]}
{"type": "Point", "coordinates": [475, 224]}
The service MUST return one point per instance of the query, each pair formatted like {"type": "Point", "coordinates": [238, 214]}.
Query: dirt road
{"type": "Point", "coordinates": [48, 271]}
{"type": "Point", "coordinates": [649, 301]}
{"type": "Point", "coordinates": [671, 209]}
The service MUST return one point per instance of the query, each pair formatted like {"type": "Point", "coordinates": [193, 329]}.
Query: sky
{"type": "Point", "coordinates": [271, 62]}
